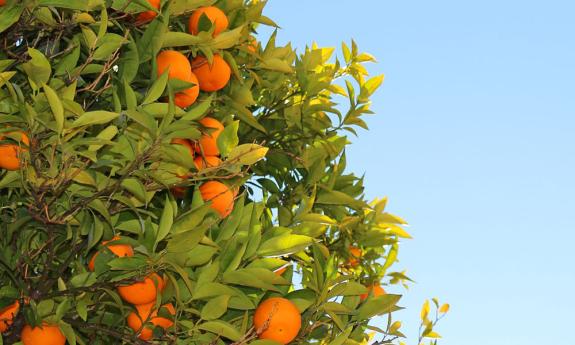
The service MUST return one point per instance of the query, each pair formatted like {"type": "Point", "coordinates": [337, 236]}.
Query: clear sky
{"type": "Point", "coordinates": [474, 144]}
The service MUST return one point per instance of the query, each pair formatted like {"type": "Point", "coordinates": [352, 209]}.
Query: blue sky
{"type": "Point", "coordinates": [475, 138]}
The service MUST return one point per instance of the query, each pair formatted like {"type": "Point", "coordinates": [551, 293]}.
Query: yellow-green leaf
{"type": "Point", "coordinates": [56, 106]}
{"type": "Point", "coordinates": [247, 154]}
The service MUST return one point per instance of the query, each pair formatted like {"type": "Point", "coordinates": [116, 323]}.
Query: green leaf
{"type": "Point", "coordinates": [157, 89]}
{"type": "Point", "coordinates": [129, 62]}
{"type": "Point", "coordinates": [87, 5]}
{"type": "Point", "coordinates": [127, 263]}
{"type": "Point", "coordinates": [9, 16]}
{"type": "Point", "coordinates": [152, 39]}
{"type": "Point", "coordinates": [5, 77]}
{"type": "Point", "coordinates": [107, 134]}
{"type": "Point", "coordinates": [189, 220]}
{"type": "Point", "coordinates": [186, 241]}
{"type": "Point", "coordinates": [183, 6]}
{"type": "Point", "coordinates": [99, 206]}
{"type": "Point", "coordinates": [166, 221]}
{"type": "Point", "coordinates": [247, 154]}
{"type": "Point", "coordinates": [245, 278]}
{"type": "Point", "coordinates": [144, 119]}
{"type": "Point", "coordinates": [225, 40]}
{"type": "Point", "coordinates": [275, 64]}
{"type": "Point", "coordinates": [221, 328]}
{"type": "Point", "coordinates": [283, 245]}
{"type": "Point", "coordinates": [228, 139]}
{"type": "Point", "coordinates": [335, 197]}
{"type": "Point", "coordinates": [83, 279]}
{"type": "Point", "coordinates": [342, 337]}
{"type": "Point", "coordinates": [103, 25]}
{"type": "Point", "coordinates": [9, 178]}
{"type": "Point", "coordinates": [198, 110]}
{"type": "Point", "coordinates": [38, 68]}
{"type": "Point", "coordinates": [391, 256]}
{"type": "Point", "coordinates": [98, 117]}
{"type": "Point", "coordinates": [135, 186]}
{"type": "Point", "coordinates": [82, 309]}
{"type": "Point", "coordinates": [107, 46]}
{"type": "Point", "coordinates": [56, 106]}
{"type": "Point", "coordinates": [377, 306]}
{"type": "Point", "coordinates": [68, 332]}
{"type": "Point", "coordinates": [68, 63]}
{"type": "Point", "coordinates": [215, 308]}
{"type": "Point", "coordinates": [62, 308]}
{"type": "Point", "coordinates": [179, 39]}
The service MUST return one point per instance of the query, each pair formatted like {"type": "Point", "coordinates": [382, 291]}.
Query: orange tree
{"type": "Point", "coordinates": [167, 178]}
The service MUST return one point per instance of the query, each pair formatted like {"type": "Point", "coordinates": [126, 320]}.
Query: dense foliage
{"type": "Point", "coordinates": [80, 79]}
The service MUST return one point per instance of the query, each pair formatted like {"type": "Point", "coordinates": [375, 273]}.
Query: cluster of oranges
{"type": "Point", "coordinates": [205, 154]}
{"type": "Point", "coordinates": [207, 77]}
{"type": "Point", "coordinates": [375, 289]}
{"type": "Point", "coordinates": [142, 294]}
{"type": "Point", "coordinates": [202, 74]}
{"type": "Point", "coordinates": [47, 334]}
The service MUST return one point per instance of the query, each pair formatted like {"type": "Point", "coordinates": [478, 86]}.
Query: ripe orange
{"type": "Point", "coordinates": [280, 271]}
{"type": "Point", "coordinates": [10, 153]}
{"type": "Point", "coordinates": [221, 197]}
{"type": "Point", "coordinates": [252, 44]}
{"type": "Point", "coordinates": [146, 314]}
{"type": "Point", "coordinates": [121, 250]}
{"type": "Point", "coordinates": [355, 256]}
{"type": "Point", "coordinates": [2, 2]}
{"type": "Point", "coordinates": [7, 314]}
{"type": "Point", "coordinates": [187, 97]}
{"type": "Point", "coordinates": [214, 14]}
{"type": "Point", "coordinates": [207, 162]}
{"type": "Point", "coordinates": [212, 77]}
{"type": "Point", "coordinates": [375, 289]}
{"type": "Point", "coordinates": [208, 143]}
{"type": "Point", "coordinates": [177, 63]}
{"type": "Point", "coordinates": [277, 319]}
{"type": "Point", "coordinates": [45, 335]}
{"type": "Point", "coordinates": [142, 292]}
{"type": "Point", "coordinates": [147, 16]}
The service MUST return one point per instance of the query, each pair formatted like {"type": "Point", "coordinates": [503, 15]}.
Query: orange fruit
{"type": "Point", "coordinates": [214, 14]}
{"type": "Point", "coordinates": [207, 162]}
{"type": "Point", "coordinates": [375, 289]}
{"type": "Point", "coordinates": [147, 16]}
{"type": "Point", "coordinates": [177, 63]}
{"type": "Point", "coordinates": [187, 97]}
{"type": "Point", "coordinates": [212, 77]}
{"type": "Point", "coordinates": [45, 335]}
{"type": "Point", "coordinates": [142, 292]}
{"type": "Point", "coordinates": [280, 271]}
{"type": "Point", "coordinates": [145, 313]}
{"type": "Point", "coordinates": [2, 2]}
{"type": "Point", "coordinates": [208, 143]}
{"type": "Point", "coordinates": [355, 255]}
{"type": "Point", "coordinates": [277, 319]}
{"type": "Point", "coordinates": [121, 250]}
{"type": "Point", "coordinates": [252, 44]}
{"type": "Point", "coordinates": [221, 197]}
{"type": "Point", "coordinates": [10, 153]}
{"type": "Point", "coordinates": [7, 314]}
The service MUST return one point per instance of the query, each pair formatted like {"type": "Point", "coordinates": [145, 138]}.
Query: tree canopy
{"type": "Point", "coordinates": [216, 189]}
